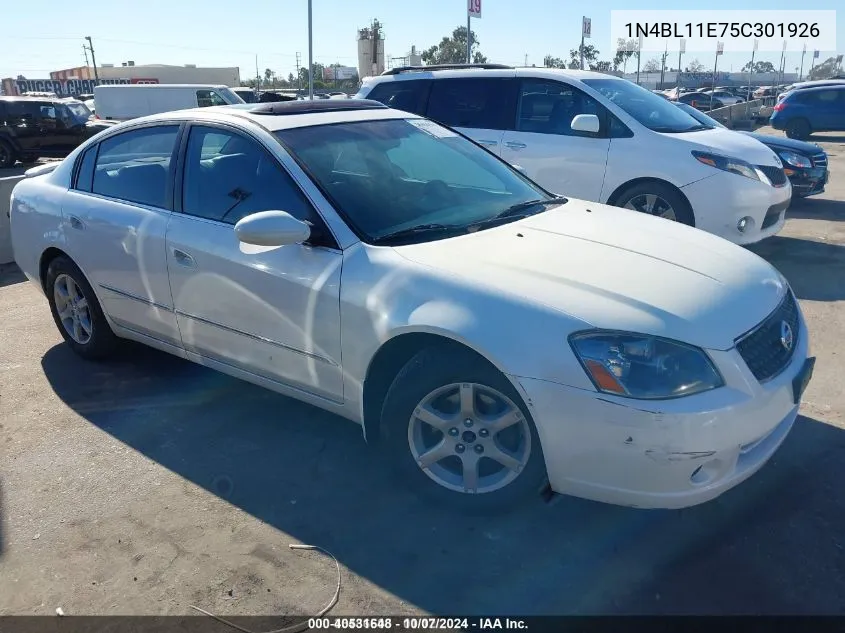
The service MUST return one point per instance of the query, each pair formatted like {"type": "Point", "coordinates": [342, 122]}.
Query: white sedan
{"type": "Point", "coordinates": [492, 338]}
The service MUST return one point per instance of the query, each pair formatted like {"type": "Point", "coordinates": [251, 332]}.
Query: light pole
{"type": "Point", "coordinates": [310, 55]}
{"type": "Point", "coordinates": [93, 59]}
{"type": "Point", "coordinates": [801, 71]}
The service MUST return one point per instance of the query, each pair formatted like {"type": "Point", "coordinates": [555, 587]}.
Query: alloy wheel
{"type": "Point", "coordinates": [469, 438]}
{"type": "Point", "coordinates": [73, 309]}
{"type": "Point", "coordinates": [653, 205]}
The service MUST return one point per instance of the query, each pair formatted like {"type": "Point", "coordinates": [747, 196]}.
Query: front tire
{"type": "Point", "coordinates": [455, 429]}
{"type": "Point", "coordinates": [7, 155]}
{"type": "Point", "coordinates": [659, 200]}
{"type": "Point", "coordinates": [77, 312]}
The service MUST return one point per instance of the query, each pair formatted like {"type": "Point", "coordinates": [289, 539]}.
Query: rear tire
{"type": "Point", "coordinates": [657, 199]}
{"type": "Point", "coordinates": [453, 455]}
{"type": "Point", "coordinates": [77, 312]}
{"type": "Point", "coordinates": [798, 129]}
{"type": "Point", "coordinates": [7, 155]}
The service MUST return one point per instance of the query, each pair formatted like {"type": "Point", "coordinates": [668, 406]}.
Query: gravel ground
{"type": "Point", "coordinates": [149, 484]}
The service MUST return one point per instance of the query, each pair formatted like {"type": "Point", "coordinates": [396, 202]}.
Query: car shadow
{"type": "Point", "coordinates": [817, 209]}
{"type": "Point", "coordinates": [813, 269]}
{"type": "Point", "coordinates": [773, 545]}
{"type": "Point", "coordinates": [10, 274]}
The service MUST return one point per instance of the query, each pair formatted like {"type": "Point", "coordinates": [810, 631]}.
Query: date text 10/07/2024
{"type": "Point", "coordinates": [417, 624]}
{"type": "Point", "coordinates": [723, 29]}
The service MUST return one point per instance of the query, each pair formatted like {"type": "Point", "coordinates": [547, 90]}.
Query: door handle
{"type": "Point", "coordinates": [515, 145]}
{"type": "Point", "coordinates": [183, 259]}
{"type": "Point", "coordinates": [488, 143]}
{"type": "Point", "coordinates": [76, 223]}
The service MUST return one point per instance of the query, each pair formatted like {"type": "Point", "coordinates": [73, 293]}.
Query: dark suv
{"type": "Point", "coordinates": [32, 128]}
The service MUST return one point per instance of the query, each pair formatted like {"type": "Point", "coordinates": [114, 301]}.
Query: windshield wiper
{"type": "Point", "coordinates": [518, 210]}
{"type": "Point", "coordinates": [417, 230]}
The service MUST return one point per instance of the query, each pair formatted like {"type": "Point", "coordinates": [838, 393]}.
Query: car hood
{"type": "Point", "coordinates": [730, 143]}
{"type": "Point", "coordinates": [782, 142]}
{"type": "Point", "coordinates": [617, 269]}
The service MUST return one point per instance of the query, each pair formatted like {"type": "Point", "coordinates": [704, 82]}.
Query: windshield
{"type": "Point", "coordinates": [656, 113]}
{"type": "Point", "coordinates": [228, 95]}
{"type": "Point", "coordinates": [397, 175]}
{"type": "Point", "coordinates": [698, 115]}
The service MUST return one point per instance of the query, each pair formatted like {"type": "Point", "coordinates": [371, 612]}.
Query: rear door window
{"type": "Point", "coordinates": [406, 95]}
{"type": "Point", "coordinates": [483, 103]}
{"type": "Point", "coordinates": [135, 166]}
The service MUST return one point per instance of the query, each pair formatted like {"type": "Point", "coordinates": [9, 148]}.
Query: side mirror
{"type": "Point", "coordinates": [272, 228]}
{"type": "Point", "coordinates": [585, 123]}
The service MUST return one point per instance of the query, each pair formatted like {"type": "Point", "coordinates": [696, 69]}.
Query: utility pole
{"type": "Point", "coordinates": [681, 49]}
{"type": "Point", "coordinates": [93, 59]}
{"type": "Point", "coordinates": [257, 77]}
{"type": "Point", "coordinates": [801, 72]}
{"type": "Point", "coordinates": [310, 54]}
{"type": "Point", "coordinates": [298, 74]}
{"type": "Point", "coordinates": [663, 65]}
{"type": "Point", "coordinates": [720, 47]}
{"type": "Point", "coordinates": [469, 40]}
{"type": "Point", "coordinates": [639, 55]}
{"type": "Point", "coordinates": [85, 52]}
{"type": "Point", "coordinates": [751, 70]}
{"type": "Point", "coordinates": [526, 60]}
{"type": "Point", "coordinates": [780, 68]}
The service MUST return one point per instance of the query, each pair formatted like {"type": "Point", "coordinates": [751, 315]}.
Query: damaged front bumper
{"type": "Point", "coordinates": [663, 454]}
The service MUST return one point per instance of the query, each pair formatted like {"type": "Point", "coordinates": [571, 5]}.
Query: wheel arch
{"type": "Point", "coordinates": [617, 193]}
{"type": "Point", "coordinates": [394, 353]}
{"type": "Point", "coordinates": [49, 254]}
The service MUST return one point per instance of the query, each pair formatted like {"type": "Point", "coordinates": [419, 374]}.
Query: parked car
{"type": "Point", "coordinates": [700, 101]}
{"type": "Point", "coordinates": [247, 94]}
{"type": "Point", "coordinates": [375, 263]}
{"type": "Point", "coordinates": [805, 164]}
{"type": "Point", "coordinates": [121, 102]}
{"type": "Point", "coordinates": [596, 137]}
{"type": "Point", "coordinates": [802, 112]}
{"type": "Point", "coordinates": [765, 91]}
{"type": "Point", "coordinates": [811, 84]}
{"type": "Point", "coordinates": [725, 97]}
{"type": "Point", "coordinates": [33, 128]}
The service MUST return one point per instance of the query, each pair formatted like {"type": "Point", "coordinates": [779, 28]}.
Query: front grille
{"type": "Point", "coordinates": [762, 348]}
{"type": "Point", "coordinates": [820, 160]}
{"type": "Point", "coordinates": [775, 174]}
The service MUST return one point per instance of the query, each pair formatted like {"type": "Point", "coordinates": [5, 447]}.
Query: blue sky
{"type": "Point", "coordinates": [49, 35]}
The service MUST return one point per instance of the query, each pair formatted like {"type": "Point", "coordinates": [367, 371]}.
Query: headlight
{"type": "Point", "coordinates": [795, 159]}
{"type": "Point", "coordinates": [643, 366]}
{"type": "Point", "coordinates": [733, 165]}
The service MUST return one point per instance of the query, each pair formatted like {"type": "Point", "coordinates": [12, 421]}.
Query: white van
{"type": "Point", "coordinates": [597, 137]}
{"type": "Point", "coordinates": [128, 101]}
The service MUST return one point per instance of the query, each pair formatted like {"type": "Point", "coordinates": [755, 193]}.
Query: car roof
{"type": "Point", "coordinates": [421, 72]}
{"type": "Point", "coordinates": [812, 89]}
{"type": "Point", "coordinates": [283, 115]}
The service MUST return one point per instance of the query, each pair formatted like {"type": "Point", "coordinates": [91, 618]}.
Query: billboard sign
{"type": "Point", "coordinates": [474, 8]}
{"type": "Point", "coordinates": [72, 87]}
{"type": "Point", "coordinates": [339, 72]}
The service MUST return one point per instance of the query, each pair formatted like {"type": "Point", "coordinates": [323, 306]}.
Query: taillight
{"type": "Point", "coordinates": [779, 106]}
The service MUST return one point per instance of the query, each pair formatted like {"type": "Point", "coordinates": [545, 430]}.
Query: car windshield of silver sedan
{"type": "Point", "coordinates": [410, 180]}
